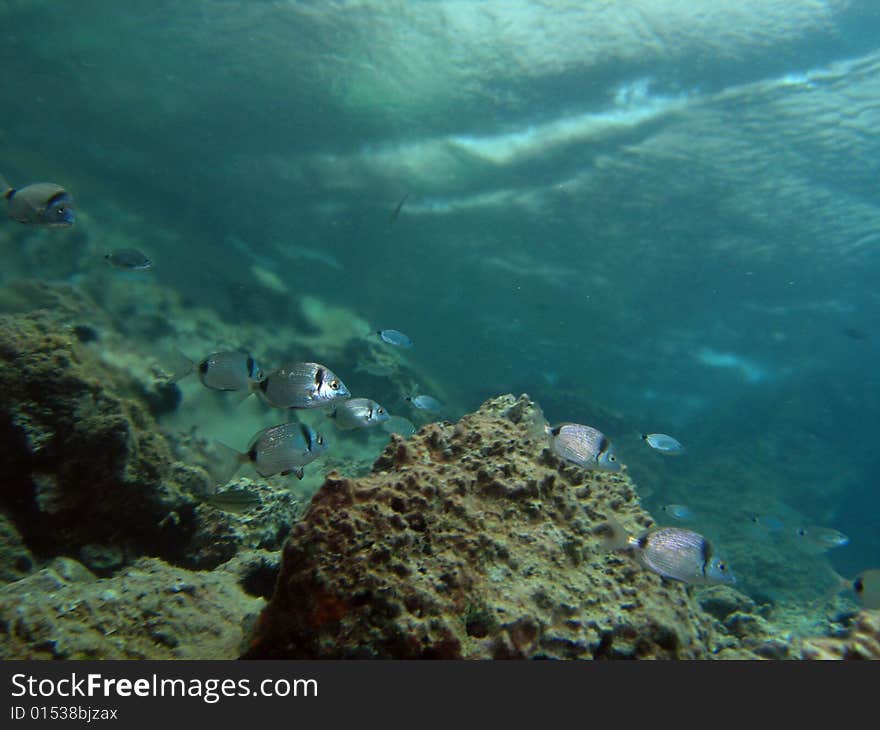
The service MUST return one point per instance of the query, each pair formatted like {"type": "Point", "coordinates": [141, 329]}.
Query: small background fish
{"type": "Point", "coordinates": [663, 444]}
{"type": "Point", "coordinates": [426, 403]}
{"type": "Point", "coordinates": [815, 539]}
{"type": "Point", "coordinates": [396, 338]}
{"type": "Point", "coordinates": [358, 413]}
{"type": "Point", "coordinates": [128, 259]}
{"type": "Point", "coordinates": [399, 425]}
{"type": "Point", "coordinates": [677, 511]}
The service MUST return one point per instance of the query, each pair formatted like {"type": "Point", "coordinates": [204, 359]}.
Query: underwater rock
{"type": "Point", "coordinates": [84, 464]}
{"type": "Point", "coordinates": [16, 560]}
{"type": "Point", "coordinates": [861, 642]}
{"type": "Point", "coordinates": [148, 611]}
{"type": "Point", "coordinates": [220, 533]}
{"type": "Point", "coordinates": [472, 540]}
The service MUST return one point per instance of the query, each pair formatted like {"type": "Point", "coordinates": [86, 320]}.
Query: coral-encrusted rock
{"type": "Point", "coordinates": [473, 540]}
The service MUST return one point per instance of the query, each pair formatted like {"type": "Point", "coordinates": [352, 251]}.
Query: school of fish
{"type": "Point", "coordinates": [675, 553]}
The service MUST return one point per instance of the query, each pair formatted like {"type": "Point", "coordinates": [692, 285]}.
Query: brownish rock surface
{"type": "Point", "coordinates": [472, 540]}
{"type": "Point", "coordinates": [150, 610]}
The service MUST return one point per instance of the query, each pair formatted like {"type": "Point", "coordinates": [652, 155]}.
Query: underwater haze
{"type": "Point", "coordinates": [653, 217]}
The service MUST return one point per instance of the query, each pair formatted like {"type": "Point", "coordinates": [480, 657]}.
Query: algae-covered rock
{"type": "Point", "coordinates": [83, 464]}
{"type": "Point", "coordinates": [862, 641]}
{"type": "Point", "coordinates": [16, 560]}
{"type": "Point", "coordinates": [149, 611]}
{"type": "Point", "coordinates": [472, 540]}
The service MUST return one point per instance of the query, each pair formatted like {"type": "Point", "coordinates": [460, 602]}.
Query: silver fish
{"type": "Point", "coordinates": [678, 511]}
{"type": "Point", "coordinates": [583, 445]}
{"type": "Point", "coordinates": [228, 370]}
{"type": "Point", "coordinates": [664, 444]}
{"type": "Point", "coordinates": [399, 425]}
{"type": "Point", "coordinates": [129, 259]}
{"type": "Point", "coordinates": [673, 552]}
{"type": "Point", "coordinates": [815, 539]}
{"type": "Point", "coordinates": [425, 403]}
{"type": "Point", "coordinates": [40, 204]}
{"type": "Point", "coordinates": [284, 449]}
{"type": "Point", "coordinates": [234, 500]}
{"type": "Point", "coordinates": [396, 338]}
{"type": "Point", "coordinates": [302, 385]}
{"type": "Point", "coordinates": [358, 413]}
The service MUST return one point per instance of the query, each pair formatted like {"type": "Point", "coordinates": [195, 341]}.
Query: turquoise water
{"type": "Point", "coordinates": [660, 218]}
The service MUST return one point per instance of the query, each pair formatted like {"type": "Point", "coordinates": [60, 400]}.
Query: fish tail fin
{"type": "Point", "coordinates": [838, 585]}
{"type": "Point", "coordinates": [180, 365]}
{"type": "Point", "coordinates": [228, 462]}
{"type": "Point", "coordinates": [241, 396]}
{"type": "Point", "coordinates": [614, 535]}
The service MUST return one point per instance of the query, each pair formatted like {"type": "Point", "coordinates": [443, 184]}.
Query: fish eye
{"type": "Point", "coordinates": [380, 411]}
{"type": "Point", "coordinates": [722, 566]}
{"type": "Point", "coordinates": [320, 440]}
{"type": "Point", "coordinates": [334, 384]}
{"type": "Point", "coordinates": [801, 532]}
{"type": "Point", "coordinates": [612, 458]}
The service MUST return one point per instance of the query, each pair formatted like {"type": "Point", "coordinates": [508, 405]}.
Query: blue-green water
{"type": "Point", "coordinates": [650, 216]}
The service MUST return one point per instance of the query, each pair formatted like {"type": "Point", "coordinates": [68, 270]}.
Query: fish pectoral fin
{"type": "Point", "coordinates": [298, 473]}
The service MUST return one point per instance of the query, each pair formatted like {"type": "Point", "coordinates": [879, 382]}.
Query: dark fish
{"type": "Point", "coordinates": [397, 210]}
{"type": "Point", "coordinates": [39, 204]}
{"type": "Point", "coordinates": [855, 334]}
{"type": "Point", "coordinates": [129, 259]}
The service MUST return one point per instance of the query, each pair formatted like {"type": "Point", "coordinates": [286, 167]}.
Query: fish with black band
{"type": "Point", "coordinates": [302, 385]}
{"type": "Point", "coordinates": [229, 370]}
{"type": "Point", "coordinates": [283, 449]}
{"type": "Point", "coordinates": [39, 204]}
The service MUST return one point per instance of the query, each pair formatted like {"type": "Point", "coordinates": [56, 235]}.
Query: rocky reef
{"type": "Point", "coordinates": [467, 540]}
{"type": "Point", "coordinates": [472, 540]}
